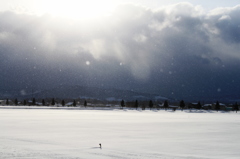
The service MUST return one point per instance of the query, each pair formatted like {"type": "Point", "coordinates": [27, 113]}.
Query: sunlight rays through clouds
{"type": "Point", "coordinates": [161, 48]}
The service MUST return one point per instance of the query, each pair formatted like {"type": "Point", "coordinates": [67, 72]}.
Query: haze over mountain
{"type": "Point", "coordinates": [82, 92]}
{"type": "Point", "coordinates": [178, 51]}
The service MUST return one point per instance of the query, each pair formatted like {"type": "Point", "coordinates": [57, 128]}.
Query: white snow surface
{"type": "Point", "coordinates": [124, 134]}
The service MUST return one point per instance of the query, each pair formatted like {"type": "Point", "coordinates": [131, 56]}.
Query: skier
{"type": "Point", "coordinates": [100, 146]}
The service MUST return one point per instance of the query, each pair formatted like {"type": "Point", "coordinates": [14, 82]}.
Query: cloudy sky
{"type": "Point", "coordinates": [176, 49]}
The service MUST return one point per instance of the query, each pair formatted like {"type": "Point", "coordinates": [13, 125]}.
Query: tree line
{"type": "Point", "coordinates": [33, 102]}
{"type": "Point", "coordinates": [165, 105]}
{"type": "Point", "coordinates": [132, 104]}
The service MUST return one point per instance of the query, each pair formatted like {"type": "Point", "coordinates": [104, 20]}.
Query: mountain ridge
{"type": "Point", "coordinates": [78, 91]}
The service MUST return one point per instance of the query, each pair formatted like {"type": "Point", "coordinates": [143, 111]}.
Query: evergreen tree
{"type": "Point", "coordinates": [63, 103]}
{"type": "Point", "coordinates": [165, 105]}
{"type": "Point", "coordinates": [24, 102]}
{"type": "Point", "coordinates": [122, 103]}
{"type": "Point", "coordinates": [236, 108]}
{"type": "Point", "coordinates": [16, 101]}
{"type": "Point", "coordinates": [33, 101]}
{"type": "Point", "coordinates": [136, 104]}
{"type": "Point", "coordinates": [217, 106]}
{"type": "Point", "coordinates": [182, 104]}
{"type": "Point", "coordinates": [43, 102]}
{"type": "Point", "coordinates": [199, 106]}
{"type": "Point", "coordinates": [53, 102]}
{"type": "Point", "coordinates": [150, 104]}
{"type": "Point", "coordinates": [7, 102]}
{"type": "Point", "coordinates": [85, 103]}
{"type": "Point", "coordinates": [74, 103]}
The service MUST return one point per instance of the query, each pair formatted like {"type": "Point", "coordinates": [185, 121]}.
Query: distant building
{"type": "Point", "coordinates": [69, 104]}
{"type": "Point", "coordinates": [207, 106]}
{"type": "Point", "coordinates": [2, 102]}
{"type": "Point", "coordinates": [192, 105]}
{"type": "Point", "coordinates": [222, 107]}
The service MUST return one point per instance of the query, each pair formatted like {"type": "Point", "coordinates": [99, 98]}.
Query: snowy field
{"type": "Point", "coordinates": [124, 134]}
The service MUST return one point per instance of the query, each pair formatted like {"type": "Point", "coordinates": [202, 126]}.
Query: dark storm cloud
{"type": "Point", "coordinates": [177, 51]}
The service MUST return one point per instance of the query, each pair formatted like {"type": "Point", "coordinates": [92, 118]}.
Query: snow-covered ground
{"type": "Point", "coordinates": [124, 134]}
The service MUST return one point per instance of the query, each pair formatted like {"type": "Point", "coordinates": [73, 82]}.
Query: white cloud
{"type": "Point", "coordinates": [224, 17]}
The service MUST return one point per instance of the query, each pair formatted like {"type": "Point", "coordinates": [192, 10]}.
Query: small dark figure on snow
{"type": "Point", "coordinates": [100, 145]}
